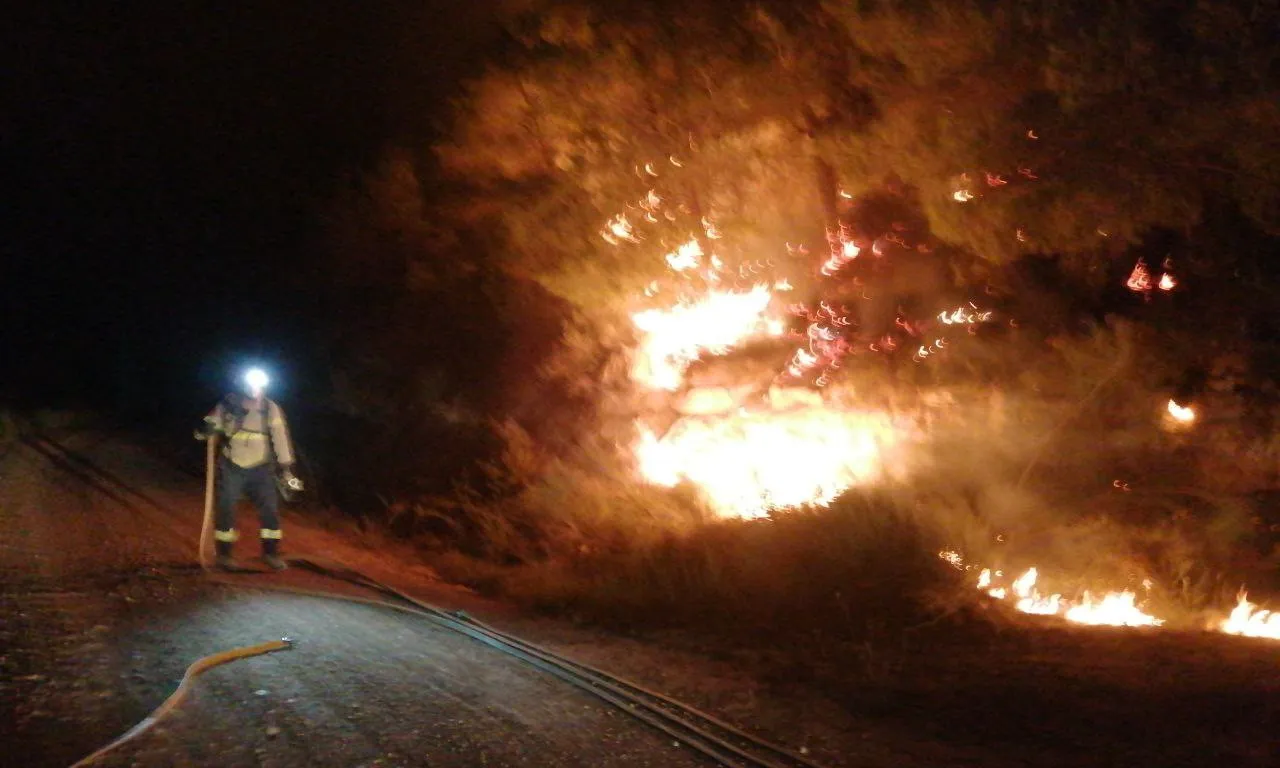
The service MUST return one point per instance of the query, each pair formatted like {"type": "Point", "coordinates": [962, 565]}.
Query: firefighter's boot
{"type": "Point", "coordinates": [224, 560]}
{"type": "Point", "coordinates": [271, 555]}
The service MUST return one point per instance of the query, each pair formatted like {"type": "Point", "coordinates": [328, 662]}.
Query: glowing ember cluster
{"type": "Point", "coordinates": [1141, 282]}
{"type": "Point", "coordinates": [843, 251]}
{"type": "Point", "coordinates": [967, 315]}
{"type": "Point", "coordinates": [832, 334]}
{"type": "Point", "coordinates": [829, 340]}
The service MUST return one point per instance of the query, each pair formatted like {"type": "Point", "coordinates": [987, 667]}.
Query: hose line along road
{"type": "Point", "coordinates": [103, 608]}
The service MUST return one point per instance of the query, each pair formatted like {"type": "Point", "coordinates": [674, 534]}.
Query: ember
{"type": "Point", "coordinates": [1180, 413]}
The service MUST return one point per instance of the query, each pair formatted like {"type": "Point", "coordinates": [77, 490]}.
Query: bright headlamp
{"type": "Point", "coordinates": [256, 379]}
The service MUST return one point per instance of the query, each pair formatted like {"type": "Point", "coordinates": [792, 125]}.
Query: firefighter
{"type": "Point", "coordinates": [255, 441]}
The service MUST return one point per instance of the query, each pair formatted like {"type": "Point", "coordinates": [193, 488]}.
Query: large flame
{"type": "Point", "coordinates": [790, 449]}
{"type": "Point", "coordinates": [675, 337]}
{"type": "Point", "coordinates": [750, 462]}
{"type": "Point", "coordinates": [795, 448]}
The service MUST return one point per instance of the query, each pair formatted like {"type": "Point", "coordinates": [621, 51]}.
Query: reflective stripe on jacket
{"type": "Point", "coordinates": [245, 440]}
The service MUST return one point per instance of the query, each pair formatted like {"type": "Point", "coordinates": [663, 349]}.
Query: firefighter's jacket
{"type": "Point", "coordinates": [243, 423]}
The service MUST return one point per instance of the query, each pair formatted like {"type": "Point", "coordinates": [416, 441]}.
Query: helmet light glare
{"type": "Point", "coordinates": [256, 379]}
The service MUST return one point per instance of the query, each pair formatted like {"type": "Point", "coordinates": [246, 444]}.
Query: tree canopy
{"type": "Point", "coordinates": [600, 138]}
{"type": "Point", "coordinates": [1061, 128]}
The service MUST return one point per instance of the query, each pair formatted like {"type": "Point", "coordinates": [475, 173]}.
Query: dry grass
{"type": "Point", "coordinates": [859, 568]}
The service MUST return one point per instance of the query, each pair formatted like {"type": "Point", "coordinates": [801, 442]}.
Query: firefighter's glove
{"type": "Point", "coordinates": [291, 480]}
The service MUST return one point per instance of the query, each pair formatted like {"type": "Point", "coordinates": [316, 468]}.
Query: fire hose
{"type": "Point", "coordinates": [206, 527]}
{"type": "Point", "coordinates": [718, 740]}
{"type": "Point", "coordinates": [199, 667]}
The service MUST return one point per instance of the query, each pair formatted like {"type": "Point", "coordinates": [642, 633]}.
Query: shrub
{"type": "Point", "coordinates": [8, 429]}
{"type": "Point", "coordinates": [853, 569]}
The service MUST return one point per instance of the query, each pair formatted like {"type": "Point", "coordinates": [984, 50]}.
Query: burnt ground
{"type": "Point", "coordinates": [102, 609]}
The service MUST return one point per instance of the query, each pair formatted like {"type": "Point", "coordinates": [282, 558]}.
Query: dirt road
{"type": "Point", "coordinates": [103, 610]}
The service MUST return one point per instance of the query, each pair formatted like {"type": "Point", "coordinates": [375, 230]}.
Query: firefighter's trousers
{"type": "Point", "coordinates": [259, 485]}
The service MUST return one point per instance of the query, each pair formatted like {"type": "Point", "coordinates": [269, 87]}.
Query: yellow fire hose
{"type": "Point", "coordinates": [196, 669]}
{"type": "Point", "coordinates": [206, 528]}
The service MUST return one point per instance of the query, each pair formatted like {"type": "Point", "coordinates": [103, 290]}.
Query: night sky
{"type": "Point", "coordinates": [166, 168]}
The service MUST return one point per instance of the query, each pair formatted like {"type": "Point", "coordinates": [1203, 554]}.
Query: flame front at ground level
{"type": "Point", "coordinates": [748, 463]}
{"type": "Point", "coordinates": [1118, 609]}
{"type": "Point", "coordinates": [1115, 609]}
{"type": "Point", "coordinates": [1247, 620]}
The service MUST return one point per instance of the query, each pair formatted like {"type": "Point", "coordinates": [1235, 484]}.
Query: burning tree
{"type": "Point", "coordinates": [757, 213]}
{"type": "Point", "coordinates": [694, 138]}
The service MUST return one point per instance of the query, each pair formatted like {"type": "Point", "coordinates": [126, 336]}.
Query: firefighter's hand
{"type": "Point", "coordinates": [291, 480]}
